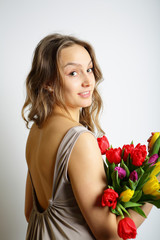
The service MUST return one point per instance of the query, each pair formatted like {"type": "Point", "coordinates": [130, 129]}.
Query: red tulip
{"type": "Point", "coordinates": [103, 144]}
{"type": "Point", "coordinates": [127, 150]}
{"type": "Point", "coordinates": [114, 155]}
{"type": "Point", "coordinates": [109, 198]}
{"type": "Point", "coordinates": [138, 155]}
{"type": "Point", "coordinates": [127, 228]}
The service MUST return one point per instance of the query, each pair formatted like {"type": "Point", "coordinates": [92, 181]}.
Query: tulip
{"type": "Point", "coordinates": [153, 159]}
{"type": "Point", "coordinates": [103, 144]}
{"type": "Point", "coordinates": [113, 155]}
{"type": "Point", "coordinates": [153, 139]}
{"type": "Point", "coordinates": [138, 155]}
{"type": "Point", "coordinates": [127, 228]}
{"type": "Point", "coordinates": [134, 176]}
{"type": "Point", "coordinates": [127, 150]}
{"type": "Point", "coordinates": [109, 198]}
{"type": "Point", "coordinates": [156, 170]}
{"type": "Point", "coordinates": [126, 195]}
{"type": "Point", "coordinates": [121, 172]}
{"type": "Point", "coordinates": [151, 186]}
{"type": "Point", "coordinates": [156, 194]}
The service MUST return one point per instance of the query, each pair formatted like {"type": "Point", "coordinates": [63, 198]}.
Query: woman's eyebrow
{"type": "Point", "coordinates": [72, 63]}
{"type": "Point", "coordinates": [76, 64]}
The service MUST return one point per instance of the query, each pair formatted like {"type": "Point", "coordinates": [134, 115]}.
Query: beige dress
{"type": "Point", "coordinates": [63, 218]}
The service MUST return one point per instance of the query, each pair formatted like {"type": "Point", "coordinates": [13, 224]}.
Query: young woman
{"type": "Point", "coordinates": [66, 175]}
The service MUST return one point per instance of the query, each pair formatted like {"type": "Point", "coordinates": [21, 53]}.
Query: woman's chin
{"type": "Point", "coordinates": [87, 105]}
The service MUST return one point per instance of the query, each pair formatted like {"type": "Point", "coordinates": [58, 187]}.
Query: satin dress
{"type": "Point", "coordinates": [63, 218]}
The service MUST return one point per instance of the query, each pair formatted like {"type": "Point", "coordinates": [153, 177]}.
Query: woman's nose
{"type": "Point", "coordinates": [86, 81]}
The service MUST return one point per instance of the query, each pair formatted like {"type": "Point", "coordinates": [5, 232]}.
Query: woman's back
{"type": "Point", "coordinates": [62, 218]}
{"type": "Point", "coordinates": [41, 150]}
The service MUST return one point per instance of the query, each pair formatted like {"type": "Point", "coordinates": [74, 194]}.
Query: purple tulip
{"type": "Point", "coordinates": [121, 172]}
{"type": "Point", "coordinates": [153, 159]}
{"type": "Point", "coordinates": [134, 176]}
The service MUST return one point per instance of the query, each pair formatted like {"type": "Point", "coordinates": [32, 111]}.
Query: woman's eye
{"type": "Point", "coordinates": [90, 70]}
{"type": "Point", "coordinates": [73, 73]}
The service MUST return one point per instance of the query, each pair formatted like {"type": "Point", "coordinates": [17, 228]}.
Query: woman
{"type": "Point", "coordinates": [66, 175]}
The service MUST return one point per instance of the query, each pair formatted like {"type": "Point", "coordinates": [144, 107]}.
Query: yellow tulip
{"type": "Point", "coordinates": [156, 194]}
{"type": "Point", "coordinates": [151, 186]}
{"type": "Point", "coordinates": [156, 170]}
{"type": "Point", "coordinates": [153, 139]}
{"type": "Point", "coordinates": [126, 195]}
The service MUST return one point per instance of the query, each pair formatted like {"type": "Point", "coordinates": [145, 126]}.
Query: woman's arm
{"type": "Point", "coordinates": [87, 176]}
{"type": "Point", "coordinates": [28, 198]}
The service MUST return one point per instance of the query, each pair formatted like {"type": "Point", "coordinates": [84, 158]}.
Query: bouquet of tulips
{"type": "Point", "coordinates": [132, 180]}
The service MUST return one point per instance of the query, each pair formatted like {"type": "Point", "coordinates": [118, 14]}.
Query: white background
{"type": "Point", "coordinates": [126, 38]}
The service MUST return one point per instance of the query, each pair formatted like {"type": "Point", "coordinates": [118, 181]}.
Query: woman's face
{"type": "Point", "coordinates": [76, 68]}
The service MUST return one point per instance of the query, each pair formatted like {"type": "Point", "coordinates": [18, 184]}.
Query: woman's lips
{"type": "Point", "coordinates": [85, 94]}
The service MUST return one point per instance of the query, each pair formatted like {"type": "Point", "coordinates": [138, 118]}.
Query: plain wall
{"type": "Point", "coordinates": [126, 38]}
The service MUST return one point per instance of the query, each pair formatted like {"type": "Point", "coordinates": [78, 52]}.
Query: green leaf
{"type": "Point", "coordinates": [125, 187]}
{"type": "Point", "coordinates": [151, 199]}
{"type": "Point", "coordinates": [143, 180]}
{"type": "Point", "coordinates": [146, 167]}
{"type": "Point", "coordinates": [129, 164]}
{"type": "Point", "coordinates": [157, 174]}
{"type": "Point", "coordinates": [156, 203]}
{"type": "Point", "coordinates": [108, 163]}
{"type": "Point", "coordinates": [146, 160]}
{"type": "Point", "coordinates": [123, 209]}
{"type": "Point", "coordinates": [119, 210]}
{"type": "Point", "coordinates": [123, 152]}
{"type": "Point", "coordinates": [140, 172]}
{"type": "Point", "coordinates": [147, 198]}
{"type": "Point", "coordinates": [140, 211]}
{"type": "Point", "coordinates": [109, 180]}
{"type": "Point", "coordinates": [116, 181]}
{"type": "Point", "coordinates": [145, 163]}
{"type": "Point", "coordinates": [124, 166]}
{"type": "Point", "coordinates": [150, 169]}
{"type": "Point", "coordinates": [131, 204]}
{"type": "Point", "coordinates": [158, 159]}
{"type": "Point", "coordinates": [114, 211]}
{"type": "Point", "coordinates": [137, 195]}
{"type": "Point", "coordinates": [132, 184]}
{"type": "Point", "coordinates": [112, 167]}
{"type": "Point", "coordinates": [111, 187]}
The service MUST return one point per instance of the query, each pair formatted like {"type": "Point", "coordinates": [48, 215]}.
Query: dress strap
{"type": "Point", "coordinates": [63, 154]}
{"type": "Point", "coordinates": [33, 191]}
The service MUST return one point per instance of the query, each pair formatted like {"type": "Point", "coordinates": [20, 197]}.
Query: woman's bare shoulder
{"type": "Point", "coordinates": [86, 154]}
{"type": "Point", "coordinates": [59, 126]}
{"type": "Point", "coordinates": [88, 143]}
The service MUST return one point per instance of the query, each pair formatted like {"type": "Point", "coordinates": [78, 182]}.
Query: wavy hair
{"type": "Point", "coordinates": [45, 72]}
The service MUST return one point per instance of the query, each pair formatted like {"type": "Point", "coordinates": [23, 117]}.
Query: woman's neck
{"type": "Point", "coordinates": [73, 114]}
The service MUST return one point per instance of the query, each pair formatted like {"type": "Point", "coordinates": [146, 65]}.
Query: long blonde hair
{"type": "Point", "coordinates": [45, 71]}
